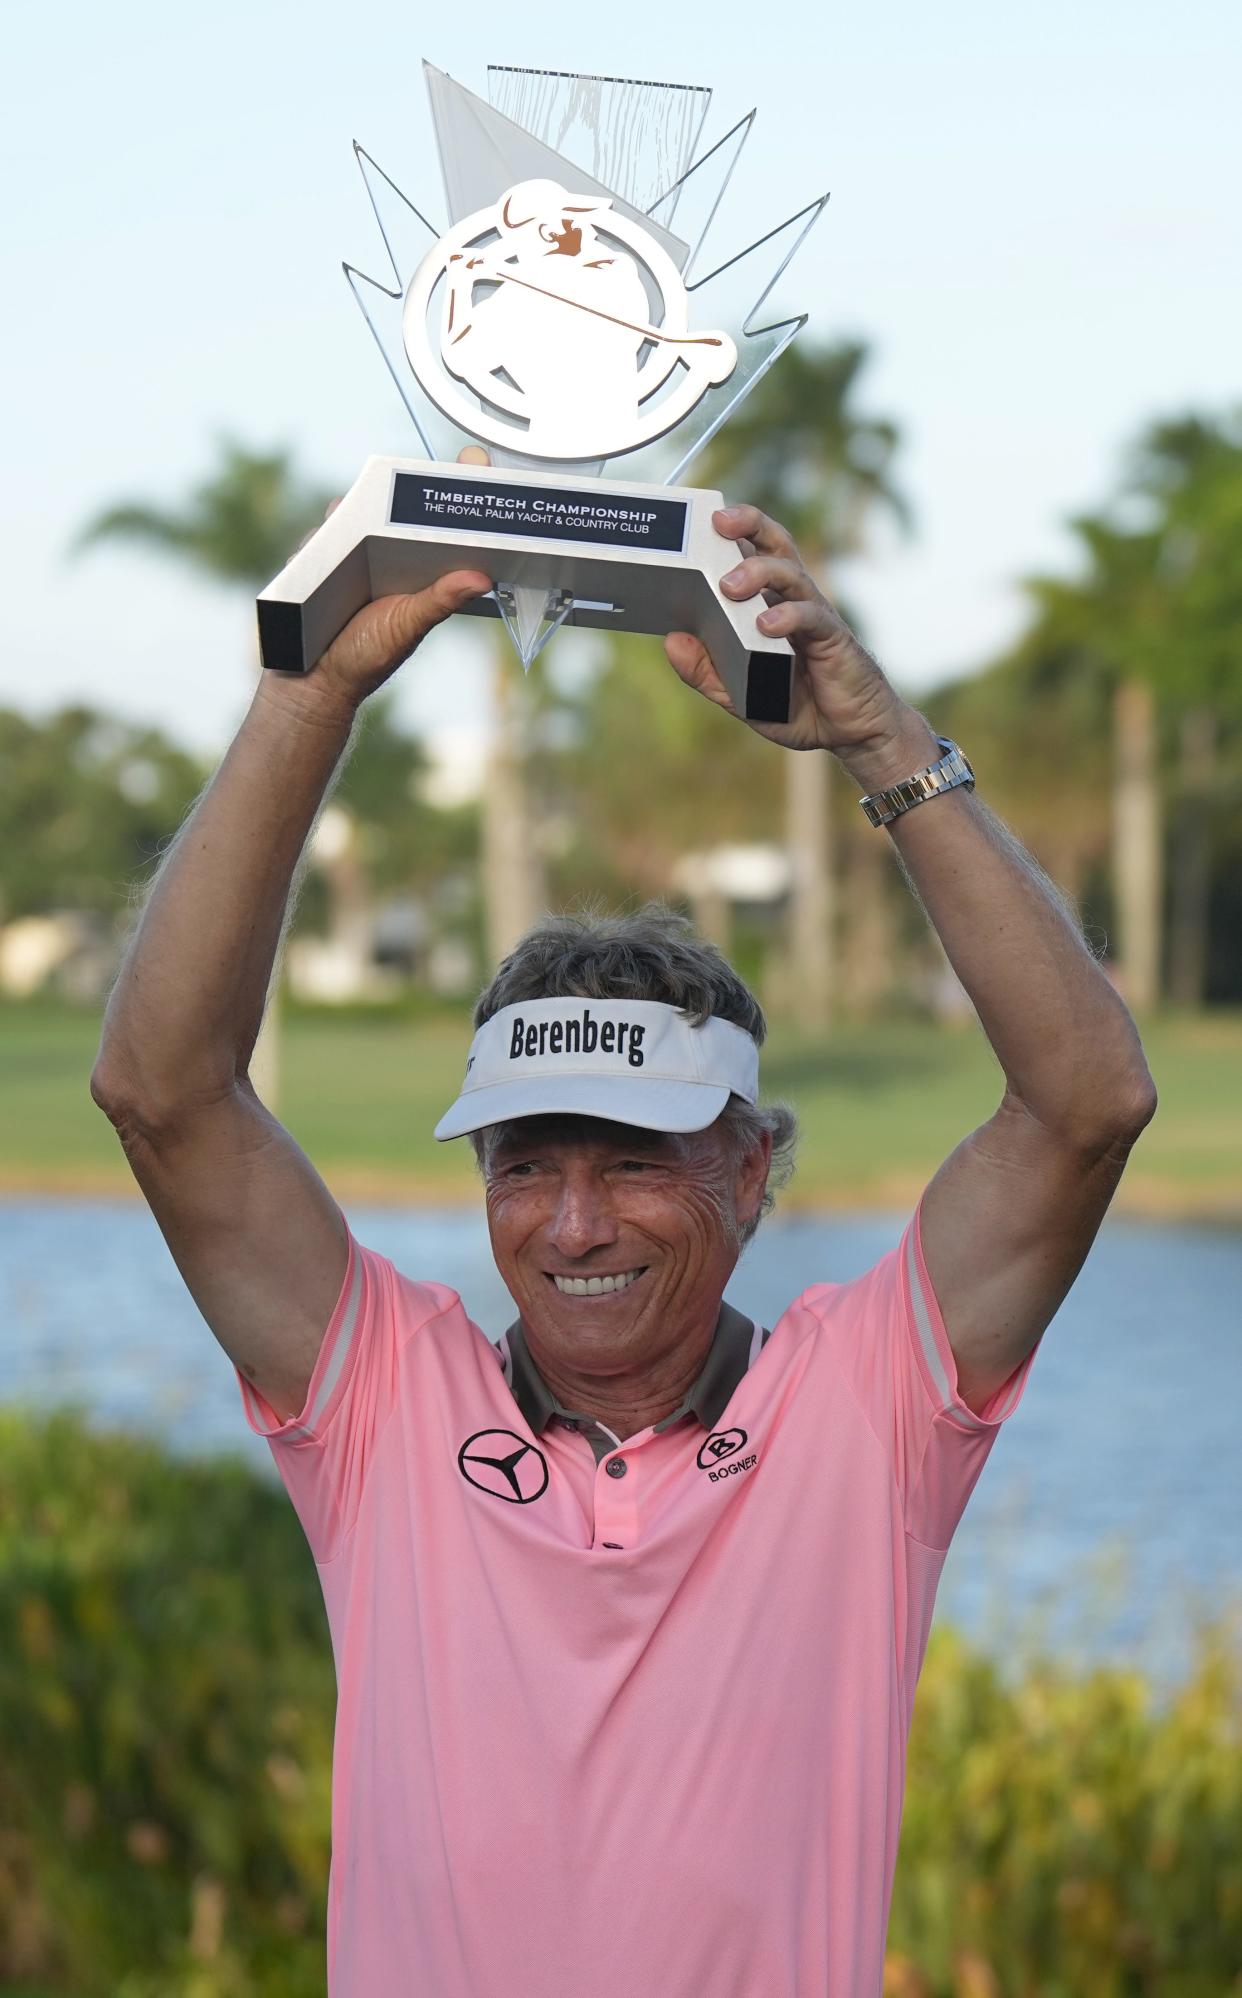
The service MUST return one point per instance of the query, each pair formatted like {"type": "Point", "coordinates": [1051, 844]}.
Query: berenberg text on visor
{"type": "Point", "coordinates": [577, 1036]}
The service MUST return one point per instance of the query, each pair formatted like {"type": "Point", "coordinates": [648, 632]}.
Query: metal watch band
{"type": "Point", "coordinates": [882, 807]}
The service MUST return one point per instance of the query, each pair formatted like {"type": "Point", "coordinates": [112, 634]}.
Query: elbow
{"type": "Point", "coordinates": [109, 1091]}
{"type": "Point", "coordinates": [1121, 1112]}
{"type": "Point", "coordinates": [1094, 1117]}
{"type": "Point", "coordinates": [114, 1091]}
{"type": "Point", "coordinates": [142, 1109]}
{"type": "Point", "coordinates": [1136, 1105]}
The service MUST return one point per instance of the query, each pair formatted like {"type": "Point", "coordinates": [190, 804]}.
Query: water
{"type": "Point", "coordinates": [1107, 1517]}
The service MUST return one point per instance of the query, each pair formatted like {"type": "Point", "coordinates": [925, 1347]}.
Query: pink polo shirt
{"type": "Point", "coordinates": [632, 1730]}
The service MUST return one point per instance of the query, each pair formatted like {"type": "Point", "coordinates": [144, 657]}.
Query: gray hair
{"type": "Point", "coordinates": [652, 954]}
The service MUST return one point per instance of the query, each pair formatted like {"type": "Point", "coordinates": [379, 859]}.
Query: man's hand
{"type": "Point", "coordinates": [376, 641]}
{"type": "Point", "coordinates": [381, 636]}
{"type": "Point", "coordinates": [841, 699]}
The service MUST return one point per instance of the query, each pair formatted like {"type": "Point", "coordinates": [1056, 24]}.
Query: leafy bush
{"type": "Point", "coordinates": [166, 1708]}
{"type": "Point", "coordinates": [1066, 1835]}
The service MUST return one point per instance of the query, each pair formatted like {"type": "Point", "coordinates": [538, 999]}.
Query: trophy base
{"type": "Point", "coordinates": [603, 554]}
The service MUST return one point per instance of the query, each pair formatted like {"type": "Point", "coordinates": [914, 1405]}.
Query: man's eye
{"type": "Point", "coordinates": [520, 1169]}
{"type": "Point", "coordinates": [635, 1165]}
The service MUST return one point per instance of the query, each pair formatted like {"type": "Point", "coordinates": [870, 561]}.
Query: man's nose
{"type": "Point", "coordinates": [583, 1218]}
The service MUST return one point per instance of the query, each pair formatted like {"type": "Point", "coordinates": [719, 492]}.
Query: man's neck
{"type": "Point", "coordinates": [626, 1403]}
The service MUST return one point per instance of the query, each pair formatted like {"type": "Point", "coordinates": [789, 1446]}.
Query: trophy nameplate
{"type": "Point", "coordinates": [559, 326]}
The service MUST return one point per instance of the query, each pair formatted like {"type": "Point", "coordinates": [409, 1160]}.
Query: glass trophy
{"type": "Point", "coordinates": [571, 322]}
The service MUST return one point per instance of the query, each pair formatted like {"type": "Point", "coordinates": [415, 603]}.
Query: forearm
{"type": "Point", "coordinates": [1064, 1039]}
{"type": "Point", "coordinates": [186, 1009]}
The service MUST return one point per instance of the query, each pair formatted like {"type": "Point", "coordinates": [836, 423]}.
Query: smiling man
{"type": "Point", "coordinates": [628, 1609]}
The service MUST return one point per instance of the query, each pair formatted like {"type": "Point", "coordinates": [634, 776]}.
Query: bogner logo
{"type": "Point", "coordinates": [581, 1036]}
{"type": "Point", "coordinates": [501, 1463]}
{"type": "Point", "coordinates": [725, 1443]}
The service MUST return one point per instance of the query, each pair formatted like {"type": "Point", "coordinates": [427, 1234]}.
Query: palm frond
{"type": "Point", "coordinates": [240, 524]}
{"type": "Point", "coordinates": [133, 520]}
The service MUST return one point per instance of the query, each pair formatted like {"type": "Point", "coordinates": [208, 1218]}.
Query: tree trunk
{"type": "Point", "coordinates": [350, 913]}
{"type": "Point", "coordinates": [808, 839]}
{"type": "Point", "coordinates": [1192, 859]}
{"type": "Point", "coordinates": [514, 894]}
{"type": "Point", "coordinates": [1137, 858]}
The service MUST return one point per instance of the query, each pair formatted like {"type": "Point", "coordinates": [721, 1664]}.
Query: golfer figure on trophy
{"type": "Point", "coordinates": [554, 312]}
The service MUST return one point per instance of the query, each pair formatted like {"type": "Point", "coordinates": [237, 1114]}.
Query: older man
{"type": "Point", "coordinates": [627, 1612]}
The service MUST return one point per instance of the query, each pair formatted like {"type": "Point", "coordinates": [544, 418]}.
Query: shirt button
{"type": "Point", "coordinates": [617, 1467]}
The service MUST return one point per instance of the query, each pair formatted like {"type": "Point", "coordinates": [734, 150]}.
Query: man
{"type": "Point", "coordinates": [627, 1613]}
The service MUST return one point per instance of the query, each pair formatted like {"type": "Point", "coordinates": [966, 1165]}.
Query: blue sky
{"type": "Point", "coordinates": [1034, 221]}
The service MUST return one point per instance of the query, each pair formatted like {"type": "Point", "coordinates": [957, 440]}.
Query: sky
{"type": "Point", "coordinates": [1034, 224]}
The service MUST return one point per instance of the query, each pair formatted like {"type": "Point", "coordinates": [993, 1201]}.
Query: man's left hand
{"type": "Point", "coordinates": [841, 699]}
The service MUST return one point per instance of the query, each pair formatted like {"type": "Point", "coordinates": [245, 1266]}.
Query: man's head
{"type": "Point", "coordinates": [541, 210]}
{"type": "Point", "coordinates": [616, 1238]}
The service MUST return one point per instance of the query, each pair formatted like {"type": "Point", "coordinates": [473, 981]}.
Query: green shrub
{"type": "Point", "coordinates": [1067, 1835]}
{"type": "Point", "coordinates": [166, 1701]}
{"type": "Point", "coordinates": [165, 1707]}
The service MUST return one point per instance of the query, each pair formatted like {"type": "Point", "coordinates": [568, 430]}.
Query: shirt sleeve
{"type": "Point", "coordinates": [324, 1452]}
{"type": "Point", "coordinates": [892, 1344]}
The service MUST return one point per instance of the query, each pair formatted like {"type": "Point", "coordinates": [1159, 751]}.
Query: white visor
{"type": "Point", "coordinates": [633, 1061]}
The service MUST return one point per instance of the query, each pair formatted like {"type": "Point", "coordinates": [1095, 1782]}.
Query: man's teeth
{"type": "Point", "coordinates": [594, 1286]}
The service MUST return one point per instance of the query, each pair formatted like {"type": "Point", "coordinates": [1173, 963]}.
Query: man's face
{"type": "Point", "coordinates": [571, 1199]}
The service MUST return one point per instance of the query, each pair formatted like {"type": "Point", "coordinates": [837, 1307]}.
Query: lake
{"type": "Point", "coordinates": [1106, 1519]}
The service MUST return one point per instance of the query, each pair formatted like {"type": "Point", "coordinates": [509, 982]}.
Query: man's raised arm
{"type": "Point", "coordinates": [252, 1227]}
{"type": "Point", "coordinates": [1010, 1216]}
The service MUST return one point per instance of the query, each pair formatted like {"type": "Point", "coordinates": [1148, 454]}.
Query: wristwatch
{"type": "Point", "coordinates": [882, 807]}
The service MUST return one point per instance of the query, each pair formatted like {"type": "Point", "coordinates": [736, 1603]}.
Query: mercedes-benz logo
{"type": "Point", "coordinates": [502, 1463]}
{"type": "Point", "coordinates": [720, 1445]}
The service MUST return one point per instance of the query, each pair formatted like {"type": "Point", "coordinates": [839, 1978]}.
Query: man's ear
{"type": "Point", "coordinates": [752, 1178]}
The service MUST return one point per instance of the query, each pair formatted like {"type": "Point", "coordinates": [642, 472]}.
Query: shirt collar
{"type": "Point", "coordinates": [735, 1343]}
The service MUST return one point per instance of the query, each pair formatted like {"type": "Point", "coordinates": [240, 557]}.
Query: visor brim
{"type": "Point", "coordinates": [651, 1105]}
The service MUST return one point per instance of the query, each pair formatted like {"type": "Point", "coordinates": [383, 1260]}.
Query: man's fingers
{"type": "Point", "coordinates": [769, 537]}
{"type": "Point", "coordinates": [778, 573]}
{"type": "Point", "coordinates": [420, 613]}
{"type": "Point", "coordinates": [807, 617]}
{"type": "Point", "coordinates": [692, 663]}
{"type": "Point", "coordinates": [387, 631]}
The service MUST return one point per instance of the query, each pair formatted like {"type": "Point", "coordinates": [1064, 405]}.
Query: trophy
{"type": "Point", "coordinates": [559, 323]}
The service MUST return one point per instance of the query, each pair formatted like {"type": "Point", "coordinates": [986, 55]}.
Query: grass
{"type": "Point", "coordinates": [881, 1106]}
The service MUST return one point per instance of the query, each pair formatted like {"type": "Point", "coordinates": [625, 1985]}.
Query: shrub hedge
{"type": "Point", "coordinates": [166, 1712]}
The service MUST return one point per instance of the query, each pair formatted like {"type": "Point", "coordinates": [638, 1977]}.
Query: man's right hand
{"type": "Point", "coordinates": [376, 641]}
{"type": "Point", "coordinates": [384, 633]}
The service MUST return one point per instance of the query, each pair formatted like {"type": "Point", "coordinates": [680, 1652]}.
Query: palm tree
{"type": "Point", "coordinates": [799, 449]}
{"type": "Point", "coordinates": [1106, 628]}
{"type": "Point", "coordinates": [514, 885]}
{"type": "Point", "coordinates": [1150, 625]}
{"type": "Point", "coordinates": [1190, 466]}
{"type": "Point", "coordinates": [239, 526]}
